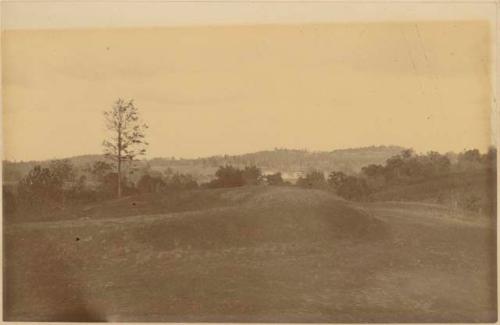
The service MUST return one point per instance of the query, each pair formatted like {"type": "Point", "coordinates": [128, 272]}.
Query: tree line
{"type": "Point", "coordinates": [60, 184]}
{"type": "Point", "coordinates": [409, 167]}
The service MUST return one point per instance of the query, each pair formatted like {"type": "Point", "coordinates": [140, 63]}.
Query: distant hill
{"type": "Point", "coordinates": [290, 162]}
{"type": "Point", "coordinates": [13, 171]}
{"type": "Point", "coordinates": [295, 160]}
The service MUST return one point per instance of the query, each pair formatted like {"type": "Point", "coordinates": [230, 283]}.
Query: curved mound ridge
{"type": "Point", "coordinates": [279, 196]}
{"type": "Point", "coordinates": [233, 217]}
{"type": "Point", "coordinates": [256, 215]}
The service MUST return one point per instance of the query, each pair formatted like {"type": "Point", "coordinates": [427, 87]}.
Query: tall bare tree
{"type": "Point", "coordinates": [126, 140]}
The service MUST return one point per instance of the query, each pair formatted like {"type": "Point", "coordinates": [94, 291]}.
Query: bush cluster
{"type": "Point", "coordinates": [229, 176]}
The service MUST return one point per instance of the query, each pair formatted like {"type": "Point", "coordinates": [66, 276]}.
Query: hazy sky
{"type": "Point", "coordinates": [235, 89]}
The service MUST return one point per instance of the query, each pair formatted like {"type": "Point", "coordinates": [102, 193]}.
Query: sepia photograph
{"type": "Point", "coordinates": [249, 162]}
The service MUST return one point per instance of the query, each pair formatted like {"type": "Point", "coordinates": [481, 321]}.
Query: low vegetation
{"type": "Point", "coordinates": [465, 181]}
{"type": "Point", "coordinates": [286, 161]}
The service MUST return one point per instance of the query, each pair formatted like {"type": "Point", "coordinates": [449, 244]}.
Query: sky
{"type": "Point", "coordinates": [252, 82]}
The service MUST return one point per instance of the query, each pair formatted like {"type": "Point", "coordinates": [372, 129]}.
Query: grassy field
{"type": "Point", "coordinates": [252, 254]}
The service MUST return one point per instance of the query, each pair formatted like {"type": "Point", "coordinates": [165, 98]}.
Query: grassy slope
{"type": "Point", "coordinates": [251, 254]}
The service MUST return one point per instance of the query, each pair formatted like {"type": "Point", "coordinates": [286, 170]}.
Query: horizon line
{"type": "Point", "coordinates": [246, 153]}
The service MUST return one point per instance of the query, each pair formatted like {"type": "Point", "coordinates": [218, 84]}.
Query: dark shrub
{"type": "Point", "coordinates": [100, 169]}
{"type": "Point", "coordinates": [353, 188]}
{"type": "Point", "coordinates": [179, 181]}
{"type": "Point", "coordinates": [336, 179]}
{"type": "Point", "coordinates": [313, 179]}
{"type": "Point", "coordinates": [9, 201]}
{"type": "Point", "coordinates": [109, 183]}
{"type": "Point", "coordinates": [251, 175]}
{"type": "Point", "coordinates": [40, 187]}
{"type": "Point", "coordinates": [150, 184]}
{"type": "Point", "coordinates": [227, 176]}
{"type": "Point", "coordinates": [275, 179]}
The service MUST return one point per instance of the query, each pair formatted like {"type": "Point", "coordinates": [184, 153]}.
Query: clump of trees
{"type": "Point", "coordinates": [275, 179]}
{"type": "Point", "coordinates": [43, 187]}
{"type": "Point", "coordinates": [349, 187]}
{"type": "Point", "coordinates": [403, 169]}
{"type": "Point", "coordinates": [473, 160]}
{"type": "Point", "coordinates": [230, 176]}
{"type": "Point", "coordinates": [104, 181]}
{"type": "Point", "coordinates": [313, 179]}
{"type": "Point", "coordinates": [408, 166]}
{"type": "Point", "coordinates": [150, 184]}
{"type": "Point", "coordinates": [166, 183]}
{"type": "Point", "coordinates": [60, 185]}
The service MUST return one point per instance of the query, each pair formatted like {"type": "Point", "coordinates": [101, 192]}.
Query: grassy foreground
{"type": "Point", "coordinates": [252, 254]}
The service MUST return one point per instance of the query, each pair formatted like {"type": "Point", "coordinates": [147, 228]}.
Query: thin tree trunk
{"type": "Point", "coordinates": [119, 161]}
{"type": "Point", "coordinates": [119, 177]}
